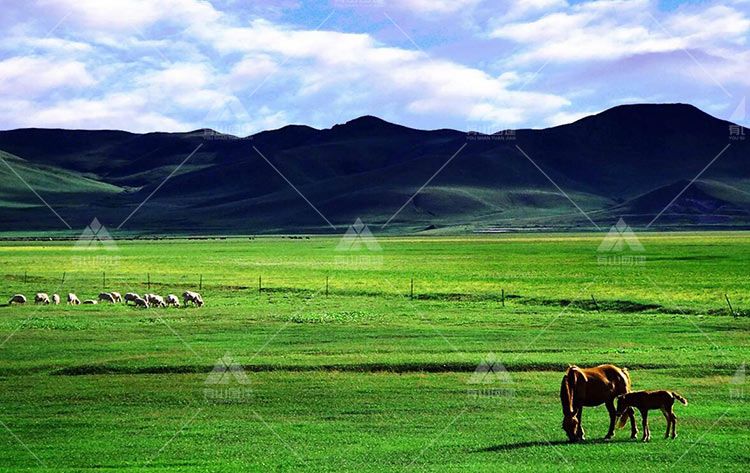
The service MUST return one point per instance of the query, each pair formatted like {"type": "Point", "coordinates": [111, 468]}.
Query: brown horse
{"type": "Point", "coordinates": [590, 387]}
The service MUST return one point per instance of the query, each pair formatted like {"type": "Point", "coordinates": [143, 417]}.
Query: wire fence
{"type": "Point", "coordinates": [90, 284]}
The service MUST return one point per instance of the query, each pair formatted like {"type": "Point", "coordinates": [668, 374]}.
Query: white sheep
{"type": "Point", "coordinates": [41, 298]}
{"type": "Point", "coordinates": [73, 299]}
{"type": "Point", "coordinates": [90, 301]}
{"type": "Point", "coordinates": [117, 297]}
{"type": "Point", "coordinates": [56, 299]}
{"type": "Point", "coordinates": [194, 297]}
{"type": "Point", "coordinates": [17, 299]}
{"type": "Point", "coordinates": [155, 300]}
{"type": "Point", "coordinates": [131, 297]}
{"type": "Point", "coordinates": [140, 302]}
{"type": "Point", "coordinates": [173, 300]}
{"type": "Point", "coordinates": [106, 297]}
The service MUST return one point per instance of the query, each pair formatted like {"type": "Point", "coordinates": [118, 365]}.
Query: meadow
{"type": "Point", "coordinates": [402, 353]}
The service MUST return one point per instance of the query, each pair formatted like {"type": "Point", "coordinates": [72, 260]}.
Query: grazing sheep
{"type": "Point", "coordinates": [194, 297]}
{"type": "Point", "coordinates": [90, 301]}
{"type": "Point", "coordinates": [131, 297]}
{"type": "Point", "coordinates": [155, 300]}
{"type": "Point", "coordinates": [106, 297]}
{"type": "Point", "coordinates": [56, 299]}
{"type": "Point", "coordinates": [116, 296]}
{"type": "Point", "coordinates": [173, 300]}
{"type": "Point", "coordinates": [140, 302]}
{"type": "Point", "coordinates": [41, 298]}
{"type": "Point", "coordinates": [17, 299]}
{"type": "Point", "coordinates": [73, 299]}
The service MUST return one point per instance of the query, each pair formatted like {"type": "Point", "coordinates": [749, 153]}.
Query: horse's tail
{"type": "Point", "coordinates": [624, 417]}
{"type": "Point", "coordinates": [623, 420]}
{"type": "Point", "coordinates": [679, 398]}
{"type": "Point", "coordinates": [568, 388]}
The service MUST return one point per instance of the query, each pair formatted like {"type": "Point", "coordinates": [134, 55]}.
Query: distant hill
{"type": "Point", "coordinates": [629, 161]}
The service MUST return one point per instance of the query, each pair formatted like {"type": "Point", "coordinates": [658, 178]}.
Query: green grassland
{"type": "Point", "coordinates": [363, 375]}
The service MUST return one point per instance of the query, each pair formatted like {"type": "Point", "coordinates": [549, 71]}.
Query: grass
{"type": "Point", "coordinates": [367, 378]}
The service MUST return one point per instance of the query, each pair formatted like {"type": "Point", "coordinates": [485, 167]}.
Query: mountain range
{"type": "Point", "coordinates": [662, 166]}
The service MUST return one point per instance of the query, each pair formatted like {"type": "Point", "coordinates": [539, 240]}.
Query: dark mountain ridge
{"type": "Point", "coordinates": [629, 160]}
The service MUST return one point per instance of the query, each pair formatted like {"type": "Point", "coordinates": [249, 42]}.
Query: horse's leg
{"type": "Point", "coordinates": [612, 417]}
{"type": "Point", "coordinates": [644, 416]}
{"type": "Point", "coordinates": [633, 428]}
{"type": "Point", "coordinates": [580, 433]}
{"type": "Point", "coordinates": [674, 424]}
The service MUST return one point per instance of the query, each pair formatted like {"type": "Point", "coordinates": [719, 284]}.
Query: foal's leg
{"type": "Point", "coordinates": [633, 429]}
{"type": "Point", "coordinates": [580, 433]}
{"type": "Point", "coordinates": [668, 416]}
{"type": "Point", "coordinates": [674, 424]}
{"type": "Point", "coordinates": [612, 417]}
{"type": "Point", "coordinates": [646, 433]}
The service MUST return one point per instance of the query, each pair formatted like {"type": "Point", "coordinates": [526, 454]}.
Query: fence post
{"type": "Point", "coordinates": [411, 289]}
{"type": "Point", "coordinates": [326, 285]}
{"type": "Point", "coordinates": [260, 284]}
{"type": "Point", "coordinates": [104, 280]}
{"type": "Point", "coordinates": [596, 304]}
{"type": "Point", "coordinates": [148, 281]}
{"type": "Point", "coordinates": [25, 276]}
{"type": "Point", "coordinates": [62, 281]}
{"type": "Point", "coordinates": [503, 297]}
{"type": "Point", "coordinates": [731, 310]}
{"type": "Point", "coordinates": [200, 283]}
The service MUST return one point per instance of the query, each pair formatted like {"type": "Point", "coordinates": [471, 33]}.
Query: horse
{"type": "Point", "coordinates": [589, 387]}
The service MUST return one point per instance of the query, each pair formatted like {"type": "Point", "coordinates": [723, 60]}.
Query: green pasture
{"type": "Point", "coordinates": [336, 364]}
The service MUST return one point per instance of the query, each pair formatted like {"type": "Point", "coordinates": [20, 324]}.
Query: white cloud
{"type": "Point", "coordinates": [522, 8]}
{"type": "Point", "coordinates": [29, 76]}
{"type": "Point", "coordinates": [563, 118]}
{"type": "Point", "coordinates": [324, 62]}
{"type": "Point", "coordinates": [434, 6]}
{"type": "Point", "coordinates": [116, 111]}
{"type": "Point", "coordinates": [167, 64]}
{"type": "Point", "coordinates": [179, 77]}
{"type": "Point", "coordinates": [128, 15]}
{"type": "Point", "coordinates": [610, 30]}
{"type": "Point", "coordinates": [251, 69]}
{"type": "Point", "coordinates": [717, 23]}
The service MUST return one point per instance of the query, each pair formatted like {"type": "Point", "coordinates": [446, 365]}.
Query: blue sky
{"type": "Point", "coordinates": [244, 66]}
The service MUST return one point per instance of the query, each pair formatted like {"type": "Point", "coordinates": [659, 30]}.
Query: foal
{"type": "Point", "coordinates": [645, 401]}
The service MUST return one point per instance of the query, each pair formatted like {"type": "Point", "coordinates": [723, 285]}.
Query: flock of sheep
{"type": "Point", "coordinates": [148, 300]}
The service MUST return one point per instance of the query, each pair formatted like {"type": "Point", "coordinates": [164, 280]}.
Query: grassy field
{"type": "Point", "coordinates": [359, 374]}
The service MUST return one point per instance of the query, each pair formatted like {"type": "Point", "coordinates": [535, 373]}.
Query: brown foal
{"type": "Point", "coordinates": [645, 401]}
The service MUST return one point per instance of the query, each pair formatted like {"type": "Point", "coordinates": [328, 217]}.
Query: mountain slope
{"type": "Point", "coordinates": [630, 160]}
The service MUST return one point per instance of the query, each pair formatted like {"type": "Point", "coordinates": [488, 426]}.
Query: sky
{"type": "Point", "coordinates": [244, 66]}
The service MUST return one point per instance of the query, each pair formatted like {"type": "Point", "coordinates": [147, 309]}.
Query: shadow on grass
{"type": "Point", "coordinates": [543, 443]}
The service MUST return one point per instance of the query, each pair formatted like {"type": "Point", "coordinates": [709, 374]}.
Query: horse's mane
{"type": "Point", "coordinates": [627, 379]}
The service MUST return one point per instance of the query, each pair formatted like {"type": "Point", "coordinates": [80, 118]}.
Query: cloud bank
{"type": "Point", "coordinates": [178, 65]}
